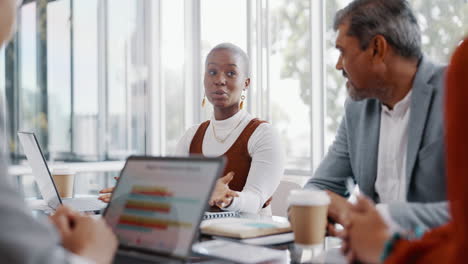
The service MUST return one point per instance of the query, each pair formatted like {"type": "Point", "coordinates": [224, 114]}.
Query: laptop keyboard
{"type": "Point", "coordinates": [129, 256]}
{"type": "Point", "coordinates": [85, 204]}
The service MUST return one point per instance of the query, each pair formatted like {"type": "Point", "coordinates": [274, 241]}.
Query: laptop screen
{"type": "Point", "coordinates": [39, 168]}
{"type": "Point", "coordinates": [158, 203]}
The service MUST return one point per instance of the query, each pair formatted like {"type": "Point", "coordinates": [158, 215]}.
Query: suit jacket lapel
{"type": "Point", "coordinates": [370, 137]}
{"type": "Point", "coordinates": [420, 103]}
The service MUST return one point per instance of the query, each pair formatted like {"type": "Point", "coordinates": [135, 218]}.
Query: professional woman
{"type": "Point", "coordinates": [252, 146]}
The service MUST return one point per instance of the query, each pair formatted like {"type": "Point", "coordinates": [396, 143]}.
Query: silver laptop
{"type": "Point", "coordinates": [45, 182]}
{"type": "Point", "coordinates": [157, 206]}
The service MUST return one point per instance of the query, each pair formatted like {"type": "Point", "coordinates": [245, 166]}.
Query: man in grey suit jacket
{"type": "Point", "coordinates": [390, 141]}
{"type": "Point", "coordinates": [24, 239]}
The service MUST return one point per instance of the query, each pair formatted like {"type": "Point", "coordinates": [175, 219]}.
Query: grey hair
{"type": "Point", "coordinates": [236, 51]}
{"type": "Point", "coordinates": [393, 19]}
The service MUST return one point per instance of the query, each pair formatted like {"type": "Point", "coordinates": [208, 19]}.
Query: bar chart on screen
{"type": "Point", "coordinates": [158, 203]}
{"type": "Point", "coordinates": [151, 211]}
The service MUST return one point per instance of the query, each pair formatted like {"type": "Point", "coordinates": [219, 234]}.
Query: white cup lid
{"type": "Point", "coordinates": [62, 171]}
{"type": "Point", "coordinates": [308, 197]}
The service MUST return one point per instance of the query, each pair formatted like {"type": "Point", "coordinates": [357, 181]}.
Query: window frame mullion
{"type": "Point", "coordinates": [193, 87]}
{"type": "Point", "coordinates": [103, 80]}
{"type": "Point", "coordinates": [155, 95]}
{"type": "Point", "coordinates": [317, 40]}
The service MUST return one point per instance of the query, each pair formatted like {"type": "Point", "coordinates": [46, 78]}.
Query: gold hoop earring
{"type": "Point", "coordinates": [242, 102]}
{"type": "Point", "coordinates": [203, 102]}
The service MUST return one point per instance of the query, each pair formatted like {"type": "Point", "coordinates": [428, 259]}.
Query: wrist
{"type": "Point", "coordinates": [74, 246]}
{"type": "Point", "coordinates": [389, 246]}
{"type": "Point", "coordinates": [76, 249]}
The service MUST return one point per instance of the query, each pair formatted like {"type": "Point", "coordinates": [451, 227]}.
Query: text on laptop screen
{"type": "Point", "coordinates": [157, 204]}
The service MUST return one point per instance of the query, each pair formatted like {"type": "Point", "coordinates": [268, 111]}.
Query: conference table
{"type": "Point", "coordinates": [327, 253]}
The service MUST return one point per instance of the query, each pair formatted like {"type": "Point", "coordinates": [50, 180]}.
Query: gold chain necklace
{"type": "Point", "coordinates": [222, 140]}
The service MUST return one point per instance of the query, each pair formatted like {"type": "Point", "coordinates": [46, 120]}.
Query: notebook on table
{"type": "Point", "coordinates": [45, 181]}
{"type": "Point", "coordinates": [158, 204]}
{"type": "Point", "coordinates": [243, 228]}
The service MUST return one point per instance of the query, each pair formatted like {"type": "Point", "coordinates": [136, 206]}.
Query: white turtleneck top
{"type": "Point", "coordinates": [264, 147]}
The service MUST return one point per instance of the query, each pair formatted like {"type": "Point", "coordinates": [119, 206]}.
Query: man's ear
{"type": "Point", "coordinates": [379, 46]}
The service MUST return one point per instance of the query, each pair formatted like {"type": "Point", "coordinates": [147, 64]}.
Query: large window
{"type": "Point", "coordinates": [443, 24]}
{"type": "Point", "coordinates": [289, 78]}
{"type": "Point", "coordinates": [59, 77]}
{"type": "Point", "coordinates": [219, 27]}
{"type": "Point", "coordinates": [335, 83]}
{"type": "Point", "coordinates": [125, 76]}
{"type": "Point", "coordinates": [232, 29]}
{"type": "Point", "coordinates": [81, 78]}
{"type": "Point", "coordinates": [98, 80]}
{"type": "Point", "coordinates": [85, 70]}
{"type": "Point", "coordinates": [30, 100]}
{"type": "Point", "coordinates": [75, 75]}
{"type": "Point", "coordinates": [172, 65]}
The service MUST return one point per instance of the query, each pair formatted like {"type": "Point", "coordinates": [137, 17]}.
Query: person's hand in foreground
{"type": "Point", "coordinates": [339, 208]}
{"type": "Point", "coordinates": [338, 212]}
{"type": "Point", "coordinates": [84, 236]}
{"type": "Point", "coordinates": [365, 233]}
{"type": "Point", "coordinates": [107, 193]}
{"type": "Point", "coordinates": [222, 196]}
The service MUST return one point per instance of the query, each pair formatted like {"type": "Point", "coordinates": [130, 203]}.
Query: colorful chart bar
{"type": "Point", "coordinates": [142, 197]}
{"type": "Point", "coordinates": [134, 228]}
{"type": "Point", "coordinates": [153, 191]}
{"type": "Point", "coordinates": [148, 206]}
{"type": "Point", "coordinates": [145, 222]}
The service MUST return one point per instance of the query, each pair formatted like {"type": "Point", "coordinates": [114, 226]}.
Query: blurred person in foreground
{"type": "Point", "coordinates": [390, 139]}
{"type": "Point", "coordinates": [367, 236]}
{"type": "Point", "coordinates": [251, 146]}
{"type": "Point", "coordinates": [68, 237]}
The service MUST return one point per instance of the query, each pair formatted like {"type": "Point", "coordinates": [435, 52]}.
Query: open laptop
{"type": "Point", "coordinates": [45, 182]}
{"type": "Point", "coordinates": [158, 204]}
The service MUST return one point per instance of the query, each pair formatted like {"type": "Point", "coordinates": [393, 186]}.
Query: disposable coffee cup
{"type": "Point", "coordinates": [308, 216]}
{"type": "Point", "coordinates": [64, 179]}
